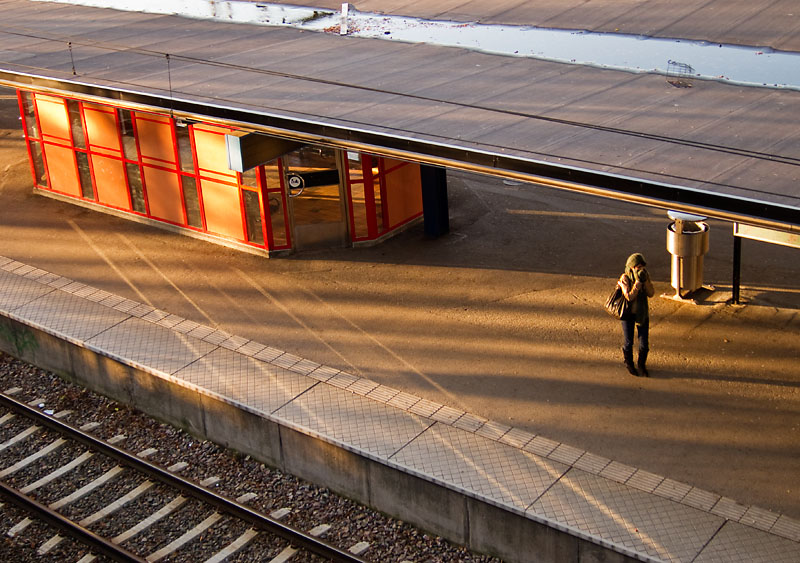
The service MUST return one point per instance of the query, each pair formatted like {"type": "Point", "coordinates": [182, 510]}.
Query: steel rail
{"type": "Point", "coordinates": [97, 544]}
{"type": "Point", "coordinates": [406, 146]}
{"type": "Point", "coordinates": [225, 505]}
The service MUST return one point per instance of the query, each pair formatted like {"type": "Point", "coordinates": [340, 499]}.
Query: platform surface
{"type": "Point", "coordinates": [636, 512]}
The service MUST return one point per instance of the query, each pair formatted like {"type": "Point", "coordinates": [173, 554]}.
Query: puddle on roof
{"type": "Point", "coordinates": [681, 61]}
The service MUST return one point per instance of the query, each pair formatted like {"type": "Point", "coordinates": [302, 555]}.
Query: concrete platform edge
{"type": "Point", "coordinates": [463, 519]}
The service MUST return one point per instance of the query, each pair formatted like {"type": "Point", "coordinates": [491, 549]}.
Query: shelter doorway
{"type": "Point", "coordinates": [316, 202]}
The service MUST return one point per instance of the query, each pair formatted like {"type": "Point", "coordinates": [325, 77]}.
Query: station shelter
{"type": "Point", "coordinates": [155, 168]}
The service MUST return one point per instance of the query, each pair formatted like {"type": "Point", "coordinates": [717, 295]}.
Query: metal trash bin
{"type": "Point", "coordinates": [687, 242]}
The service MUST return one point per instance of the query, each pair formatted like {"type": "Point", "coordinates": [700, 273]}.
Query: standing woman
{"type": "Point", "coordinates": [637, 288]}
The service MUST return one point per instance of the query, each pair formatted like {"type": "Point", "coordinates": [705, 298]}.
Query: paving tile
{"type": "Point", "coordinates": [48, 278]}
{"type": "Point", "coordinates": [403, 400]}
{"type": "Point", "coordinates": [12, 265]}
{"type": "Point", "coordinates": [200, 331]}
{"type": "Point", "coordinates": [151, 345]}
{"type": "Point", "coordinates": [505, 475]}
{"type": "Point", "coordinates": [469, 422]}
{"type": "Point", "coordinates": [305, 367]}
{"type": "Point", "coordinates": [383, 393]}
{"type": "Point", "coordinates": [698, 498]}
{"type": "Point", "coordinates": [217, 337]}
{"type": "Point", "coordinates": [85, 291]}
{"type": "Point", "coordinates": [517, 437]}
{"type": "Point", "coordinates": [36, 274]}
{"type": "Point", "coordinates": [356, 422]}
{"type": "Point", "coordinates": [154, 316]}
{"type": "Point", "coordinates": [170, 321]}
{"type": "Point", "coordinates": [592, 463]}
{"type": "Point", "coordinates": [342, 380]}
{"type": "Point", "coordinates": [627, 517]}
{"type": "Point", "coordinates": [258, 385]}
{"type": "Point", "coordinates": [673, 490]}
{"type": "Point", "coordinates": [424, 407]}
{"type": "Point", "coordinates": [59, 282]}
{"type": "Point", "coordinates": [126, 305]}
{"type": "Point", "coordinates": [729, 508]}
{"type": "Point", "coordinates": [644, 481]}
{"type": "Point", "coordinates": [759, 518]}
{"type": "Point", "coordinates": [112, 300]}
{"type": "Point", "coordinates": [736, 543]}
{"type": "Point", "coordinates": [324, 373]}
{"type": "Point", "coordinates": [492, 430]}
{"type": "Point", "coordinates": [4, 260]}
{"type": "Point", "coordinates": [73, 287]}
{"type": "Point", "coordinates": [268, 354]}
{"type": "Point", "coordinates": [234, 342]}
{"type": "Point", "coordinates": [362, 386]}
{"type": "Point", "coordinates": [566, 454]}
{"type": "Point", "coordinates": [787, 527]}
{"type": "Point", "coordinates": [141, 310]}
{"type": "Point", "coordinates": [16, 291]}
{"type": "Point", "coordinates": [251, 348]}
{"type": "Point", "coordinates": [76, 318]}
{"type": "Point", "coordinates": [286, 360]}
{"type": "Point", "coordinates": [447, 415]}
{"type": "Point", "coordinates": [98, 296]}
{"type": "Point", "coordinates": [186, 326]}
{"type": "Point", "coordinates": [541, 446]}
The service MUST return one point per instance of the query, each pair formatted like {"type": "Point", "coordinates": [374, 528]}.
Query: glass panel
{"type": "Point", "coordinates": [359, 210]}
{"type": "Point", "coordinates": [38, 163]}
{"type": "Point", "coordinates": [278, 219]}
{"type": "Point", "coordinates": [191, 201]}
{"type": "Point", "coordinates": [76, 125]}
{"type": "Point", "coordinates": [252, 215]}
{"type": "Point", "coordinates": [30, 115]}
{"type": "Point", "coordinates": [85, 175]}
{"type": "Point", "coordinates": [128, 139]}
{"type": "Point", "coordinates": [354, 166]}
{"type": "Point", "coordinates": [185, 149]}
{"type": "Point", "coordinates": [135, 186]}
{"type": "Point", "coordinates": [316, 197]}
{"type": "Point", "coordinates": [249, 178]}
{"type": "Point", "coordinates": [272, 174]}
{"type": "Point", "coordinates": [378, 207]}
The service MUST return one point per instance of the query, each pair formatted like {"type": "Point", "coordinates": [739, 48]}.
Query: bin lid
{"type": "Point", "coordinates": [680, 216]}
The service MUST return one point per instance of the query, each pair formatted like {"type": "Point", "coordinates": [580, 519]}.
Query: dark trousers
{"type": "Point", "coordinates": [628, 327]}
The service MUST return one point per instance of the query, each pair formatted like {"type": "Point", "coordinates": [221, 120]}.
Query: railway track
{"type": "Point", "coordinates": [101, 502]}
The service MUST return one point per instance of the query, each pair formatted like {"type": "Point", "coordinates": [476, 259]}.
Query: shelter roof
{"type": "Point", "coordinates": [729, 150]}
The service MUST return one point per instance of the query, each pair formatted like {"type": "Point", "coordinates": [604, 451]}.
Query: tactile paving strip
{"type": "Point", "coordinates": [498, 472]}
{"type": "Point", "coordinates": [624, 516]}
{"type": "Point", "coordinates": [75, 317]}
{"type": "Point", "coordinates": [151, 345]}
{"type": "Point", "coordinates": [366, 425]}
{"type": "Point", "coordinates": [253, 383]}
{"type": "Point", "coordinates": [736, 543]}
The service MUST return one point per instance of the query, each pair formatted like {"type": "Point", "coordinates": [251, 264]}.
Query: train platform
{"type": "Point", "coordinates": [551, 493]}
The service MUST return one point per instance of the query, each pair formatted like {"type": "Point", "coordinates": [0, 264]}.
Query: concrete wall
{"type": "Point", "coordinates": [462, 519]}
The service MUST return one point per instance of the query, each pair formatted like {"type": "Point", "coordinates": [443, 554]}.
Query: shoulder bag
{"type": "Point", "coordinates": [616, 304]}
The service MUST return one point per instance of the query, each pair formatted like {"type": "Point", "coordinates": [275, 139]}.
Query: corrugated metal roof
{"type": "Point", "coordinates": [474, 108]}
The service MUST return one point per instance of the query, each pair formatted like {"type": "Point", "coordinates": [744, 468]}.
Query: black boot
{"type": "Point", "coordinates": [642, 363]}
{"type": "Point", "coordinates": [628, 355]}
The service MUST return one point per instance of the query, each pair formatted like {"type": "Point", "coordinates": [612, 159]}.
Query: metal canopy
{"type": "Point", "coordinates": [719, 150]}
